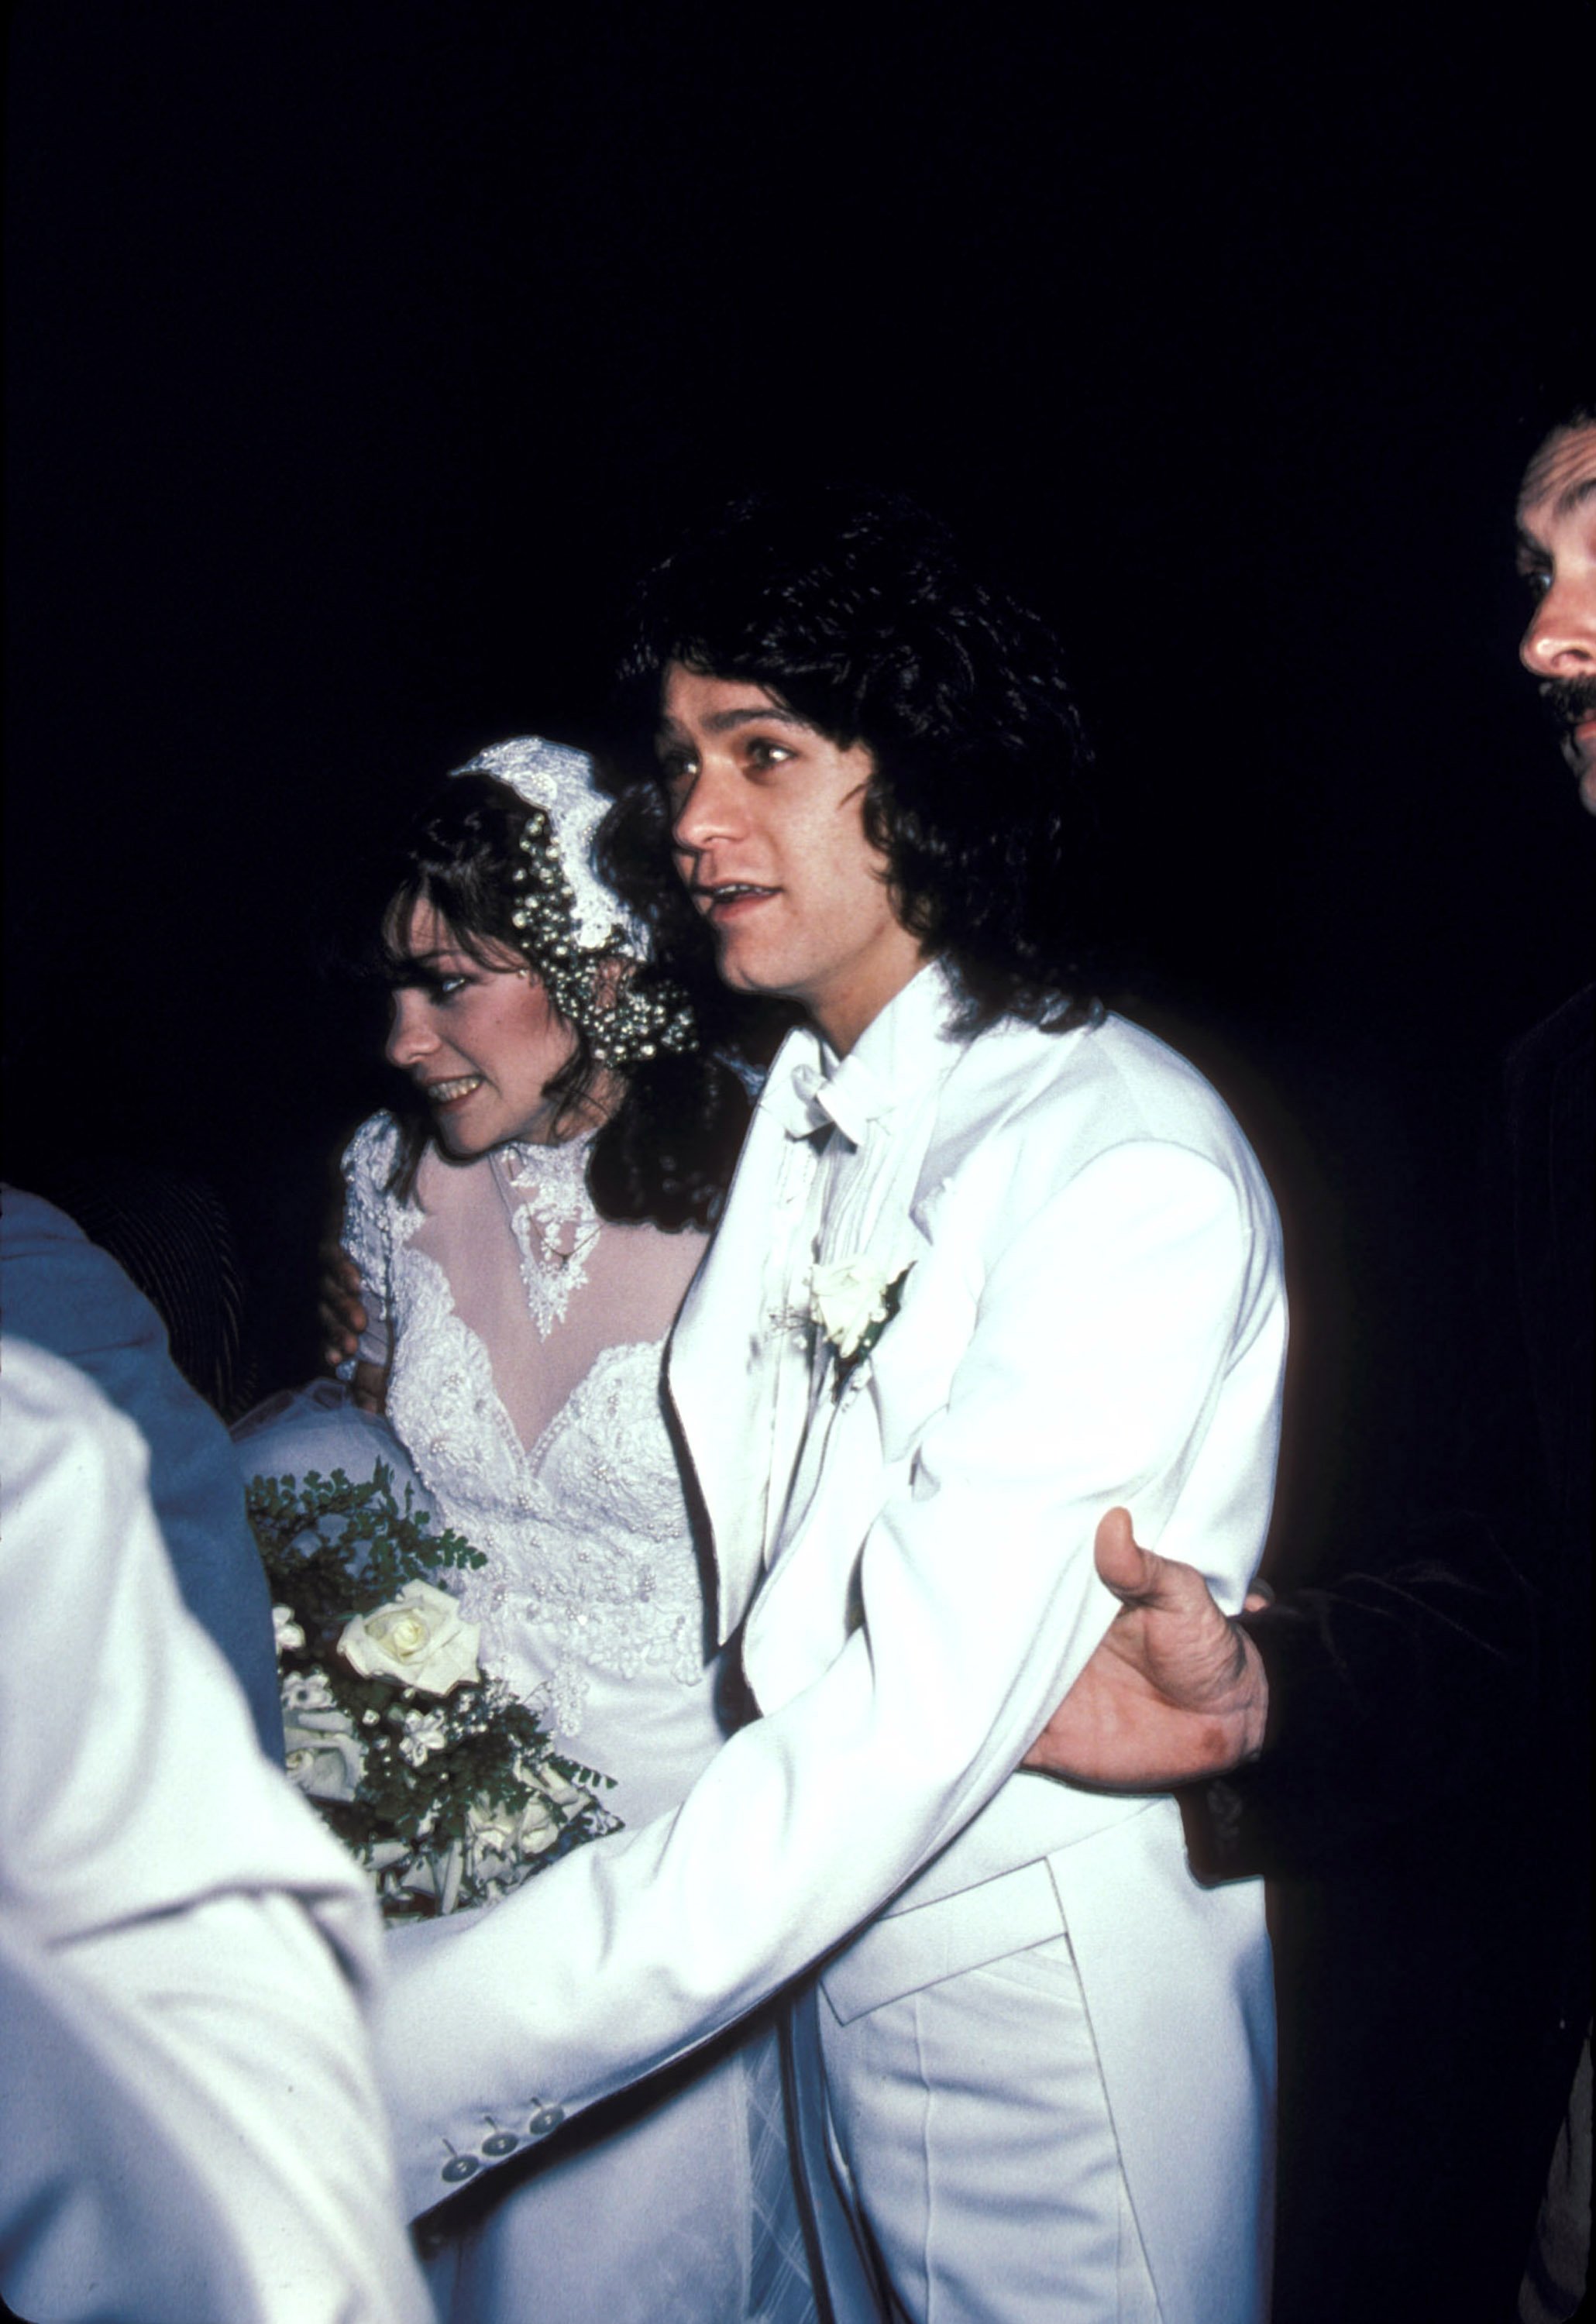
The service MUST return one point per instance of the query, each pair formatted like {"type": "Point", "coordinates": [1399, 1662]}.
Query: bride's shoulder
{"type": "Point", "coordinates": [373, 1149]}
{"type": "Point", "coordinates": [370, 1164]}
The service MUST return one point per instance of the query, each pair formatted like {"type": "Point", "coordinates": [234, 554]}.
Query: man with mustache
{"type": "Point", "coordinates": [1326, 1733]}
{"type": "Point", "coordinates": [1557, 558]}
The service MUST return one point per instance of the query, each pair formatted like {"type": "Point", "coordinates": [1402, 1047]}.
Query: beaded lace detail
{"type": "Point", "coordinates": [556, 1229]}
{"type": "Point", "coordinates": [590, 1562]}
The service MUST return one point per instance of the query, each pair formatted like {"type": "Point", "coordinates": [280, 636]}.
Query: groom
{"type": "Point", "coordinates": [991, 1262]}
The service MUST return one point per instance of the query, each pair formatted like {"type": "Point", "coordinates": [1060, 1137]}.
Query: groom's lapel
{"type": "Point", "coordinates": [719, 1353]}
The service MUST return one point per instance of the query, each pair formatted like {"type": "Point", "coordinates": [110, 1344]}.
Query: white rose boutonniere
{"type": "Point", "coordinates": [417, 1639]}
{"type": "Point", "coordinates": [852, 1301]}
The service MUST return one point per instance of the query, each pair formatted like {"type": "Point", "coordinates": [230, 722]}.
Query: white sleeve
{"type": "Point", "coordinates": [368, 1166]}
{"type": "Point", "coordinates": [1125, 1333]}
{"type": "Point", "coordinates": [188, 2118]}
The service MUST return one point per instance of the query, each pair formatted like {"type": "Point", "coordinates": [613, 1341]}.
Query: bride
{"type": "Point", "coordinates": [523, 1239]}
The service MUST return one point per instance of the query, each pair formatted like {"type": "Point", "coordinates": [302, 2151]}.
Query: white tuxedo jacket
{"type": "Point", "coordinates": [1095, 1314]}
{"type": "Point", "coordinates": [189, 2123]}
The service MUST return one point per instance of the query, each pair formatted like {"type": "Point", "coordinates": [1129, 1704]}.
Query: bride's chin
{"type": "Point", "coordinates": [455, 1144]}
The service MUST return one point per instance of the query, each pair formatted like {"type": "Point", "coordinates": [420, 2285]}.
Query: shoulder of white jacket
{"type": "Point", "coordinates": [58, 1421]}
{"type": "Point", "coordinates": [1109, 1083]}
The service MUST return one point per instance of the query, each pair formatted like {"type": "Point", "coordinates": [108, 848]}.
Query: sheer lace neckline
{"type": "Point", "coordinates": [544, 1191]}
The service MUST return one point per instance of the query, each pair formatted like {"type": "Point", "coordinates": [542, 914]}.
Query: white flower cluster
{"type": "Point", "coordinates": [438, 1779]}
{"type": "Point", "coordinates": [324, 1757]}
{"type": "Point", "coordinates": [498, 1848]}
{"type": "Point", "coordinates": [853, 1300]}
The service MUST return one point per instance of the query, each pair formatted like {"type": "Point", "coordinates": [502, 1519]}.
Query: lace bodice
{"type": "Point", "coordinates": [524, 1339]}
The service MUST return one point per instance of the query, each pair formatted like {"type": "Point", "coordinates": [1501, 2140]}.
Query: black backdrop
{"type": "Point", "coordinates": [358, 353]}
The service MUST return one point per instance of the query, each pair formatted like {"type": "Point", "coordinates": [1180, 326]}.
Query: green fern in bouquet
{"type": "Point", "coordinates": [442, 1782]}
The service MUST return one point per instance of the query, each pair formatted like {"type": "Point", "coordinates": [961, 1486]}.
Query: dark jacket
{"type": "Point", "coordinates": [1423, 1801]}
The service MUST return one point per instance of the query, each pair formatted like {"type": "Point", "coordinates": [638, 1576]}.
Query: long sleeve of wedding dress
{"type": "Point", "coordinates": [525, 1342]}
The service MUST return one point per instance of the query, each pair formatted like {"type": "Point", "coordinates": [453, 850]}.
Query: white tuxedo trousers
{"type": "Point", "coordinates": [1030, 2226]}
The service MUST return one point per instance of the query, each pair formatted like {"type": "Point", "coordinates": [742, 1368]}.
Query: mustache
{"type": "Point", "coordinates": [1569, 701]}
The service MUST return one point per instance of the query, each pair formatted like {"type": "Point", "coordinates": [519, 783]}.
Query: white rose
{"type": "Point", "coordinates": [417, 1639]}
{"type": "Point", "coordinates": [569, 1796]}
{"type": "Point", "coordinates": [438, 1875]}
{"type": "Point", "coordinates": [499, 1838]}
{"type": "Point", "coordinates": [324, 1759]}
{"type": "Point", "coordinates": [846, 1297]}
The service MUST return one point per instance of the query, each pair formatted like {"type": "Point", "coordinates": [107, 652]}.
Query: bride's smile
{"type": "Point", "coordinates": [478, 1035]}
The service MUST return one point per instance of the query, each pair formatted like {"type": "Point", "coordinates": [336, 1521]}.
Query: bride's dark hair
{"type": "Point", "coordinates": [665, 1154]}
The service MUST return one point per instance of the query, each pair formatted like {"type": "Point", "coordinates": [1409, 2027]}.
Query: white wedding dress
{"type": "Point", "coordinates": [524, 1339]}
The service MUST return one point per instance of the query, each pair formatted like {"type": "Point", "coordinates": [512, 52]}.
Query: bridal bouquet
{"type": "Point", "coordinates": [438, 1779]}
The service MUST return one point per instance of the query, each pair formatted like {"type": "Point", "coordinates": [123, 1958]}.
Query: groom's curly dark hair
{"type": "Point", "coordinates": [853, 607]}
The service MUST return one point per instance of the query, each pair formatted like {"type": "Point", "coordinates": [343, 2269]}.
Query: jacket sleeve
{"type": "Point", "coordinates": [188, 2118]}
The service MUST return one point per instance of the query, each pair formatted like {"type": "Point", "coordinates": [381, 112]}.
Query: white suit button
{"type": "Point", "coordinates": [460, 2166]}
{"type": "Point", "coordinates": [546, 2119]}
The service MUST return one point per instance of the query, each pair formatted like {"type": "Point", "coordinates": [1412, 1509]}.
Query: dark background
{"type": "Point", "coordinates": [359, 354]}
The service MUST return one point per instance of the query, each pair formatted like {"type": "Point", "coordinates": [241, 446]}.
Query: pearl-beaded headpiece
{"type": "Point", "coordinates": [569, 924]}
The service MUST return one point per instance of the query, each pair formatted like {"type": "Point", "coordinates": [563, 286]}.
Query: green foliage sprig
{"type": "Point", "coordinates": [447, 1799]}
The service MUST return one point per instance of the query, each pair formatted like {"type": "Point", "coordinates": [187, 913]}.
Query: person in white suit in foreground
{"type": "Point", "coordinates": [189, 2124]}
{"type": "Point", "coordinates": [993, 1262]}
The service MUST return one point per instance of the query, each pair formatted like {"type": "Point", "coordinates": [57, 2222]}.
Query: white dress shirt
{"type": "Point", "coordinates": [876, 1108]}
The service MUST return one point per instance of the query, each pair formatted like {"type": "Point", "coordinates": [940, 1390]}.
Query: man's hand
{"type": "Point", "coordinates": [338, 1309]}
{"type": "Point", "coordinates": [1175, 1692]}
